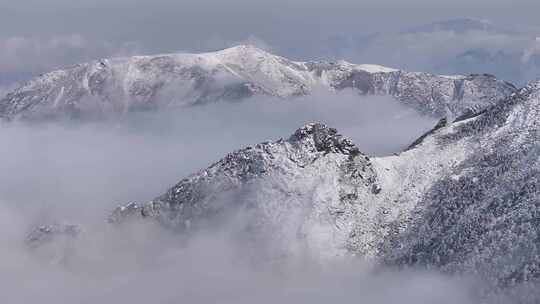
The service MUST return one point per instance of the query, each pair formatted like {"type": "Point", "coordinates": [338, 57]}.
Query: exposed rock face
{"type": "Point", "coordinates": [111, 87]}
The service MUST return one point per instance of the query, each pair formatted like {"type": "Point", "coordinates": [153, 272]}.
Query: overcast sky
{"type": "Point", "coordinates": [79, 173]}
{"type": "Point", "coordinates": [39, 35]}
{"type": "Point", "coordinates": [167, 25]}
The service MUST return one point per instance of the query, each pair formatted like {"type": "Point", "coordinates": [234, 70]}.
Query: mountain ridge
{"type": "Point", "coordinates": [463, 200]}
{"type": "Point", "coordinates": [467, 200]}
{"type": "Point", "coordinates": [112, 87]}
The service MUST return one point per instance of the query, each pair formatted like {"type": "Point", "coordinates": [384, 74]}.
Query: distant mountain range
{"type": "Point", "coordinates": [112, 87]}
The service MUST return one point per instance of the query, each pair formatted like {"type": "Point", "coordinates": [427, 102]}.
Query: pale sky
{"type": "Point", "coordinates": [38, 35]}
{"type": "Point", "coordinates": [167, 25]}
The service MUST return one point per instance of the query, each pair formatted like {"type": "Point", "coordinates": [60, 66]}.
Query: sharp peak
{"type": "Point", "coordinates": [325, 138]}
{"type": "Point", "coordinates": [312, 128]}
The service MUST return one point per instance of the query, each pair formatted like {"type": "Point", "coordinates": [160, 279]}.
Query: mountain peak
{"type": "Point", "coordinates": [326, 139]}
{"type": "Point", "coordinates": [311, 148]}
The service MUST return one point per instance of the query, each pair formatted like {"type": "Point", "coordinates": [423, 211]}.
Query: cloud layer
{"type": "Point", "coordinates": [77, 173]}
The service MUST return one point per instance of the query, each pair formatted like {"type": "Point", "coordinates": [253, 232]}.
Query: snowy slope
{"type": "Point", "coordinates": [463, 199]}
{"type": "Point", "coordinates": [481, 215]}
{"type": "Point", "coordinates": [112, 87]}
{"type": "Point", "coordinates": [300, 188]}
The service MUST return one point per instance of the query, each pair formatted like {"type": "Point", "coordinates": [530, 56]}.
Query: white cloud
{"type": "Point", "coordinates": [79, 173]}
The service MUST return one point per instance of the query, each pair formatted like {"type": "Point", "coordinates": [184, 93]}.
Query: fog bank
{"type": "Point", "coordinates": [76, 173]}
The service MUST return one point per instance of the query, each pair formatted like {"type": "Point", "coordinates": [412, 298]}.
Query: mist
{"type": "Point", "coordinates": [102, 161]}
{"type": "Point", "coordinates": [66, 173]}
{"type": "Point", "coordinates": [143, 263]}
{"type": "Point", "coordinates": [76, 173]}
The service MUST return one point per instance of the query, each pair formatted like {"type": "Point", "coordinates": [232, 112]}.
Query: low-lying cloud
{"type": "Point", "coordinates": [143, 264]}
{"type": "Point", "coordinates": [68, 162]}
{"type": "Point", "coordinates": [76, 173]}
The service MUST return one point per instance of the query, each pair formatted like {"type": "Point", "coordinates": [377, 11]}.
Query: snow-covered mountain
{"type": "Point", "coordinates": [302, 185]}
{"type": "Point", "coordinates": [109, 87]}
{"type": "Point", "coordinates": [463, 198]}
{"type": "Point", "coordinates": [480, 212]}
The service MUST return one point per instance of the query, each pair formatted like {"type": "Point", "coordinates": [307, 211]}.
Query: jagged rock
{"type": "Point", "coordinates": [274, 177]}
